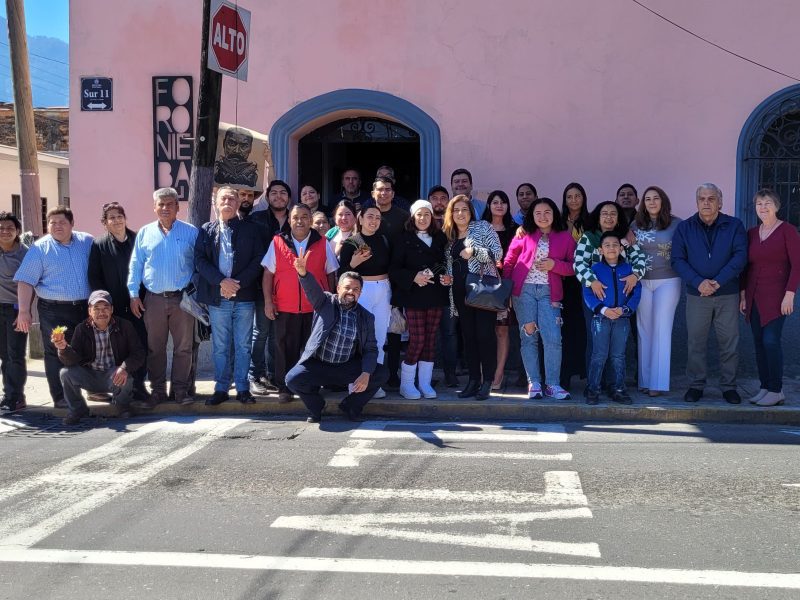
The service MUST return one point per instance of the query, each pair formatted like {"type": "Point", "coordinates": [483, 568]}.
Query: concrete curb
{"type": "Point", "coordinates": [506, 410]}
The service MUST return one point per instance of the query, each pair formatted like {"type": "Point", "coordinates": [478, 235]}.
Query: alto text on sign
{"type": "Point", "coordinates": [228, 39]}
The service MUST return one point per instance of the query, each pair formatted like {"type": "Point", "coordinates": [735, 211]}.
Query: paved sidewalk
{"type": "Point", "coordinates": [509, 405]}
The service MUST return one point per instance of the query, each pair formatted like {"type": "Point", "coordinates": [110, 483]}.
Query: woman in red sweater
{"type": "Point", "coordinates": [767, 291]}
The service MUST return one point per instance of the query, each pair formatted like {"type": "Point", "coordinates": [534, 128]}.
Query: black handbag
{"type": "Point", "coordinates": [486, 292]}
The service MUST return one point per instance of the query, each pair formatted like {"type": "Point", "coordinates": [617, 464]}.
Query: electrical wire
{"type": "Point", "coordinates": [55, 60]}
{"type": "Point", "coordinates": [707, 41]}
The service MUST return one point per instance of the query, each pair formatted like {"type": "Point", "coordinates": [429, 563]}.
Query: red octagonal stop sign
{"type": "Point", "coordinates": [228, 40]}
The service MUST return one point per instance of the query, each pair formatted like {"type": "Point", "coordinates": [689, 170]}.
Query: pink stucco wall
{"type": "Point", "coordinates": [547, 91]}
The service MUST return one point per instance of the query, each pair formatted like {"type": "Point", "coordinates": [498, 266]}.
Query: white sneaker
{"type": "Point", "coordinates": [761, 393]}
{"type": "Point", "coordinates": [534, 390]}
{"type": "Point", "coordinates": [556, 392]}
{"type": "Point", "coordinates": [379, 394]}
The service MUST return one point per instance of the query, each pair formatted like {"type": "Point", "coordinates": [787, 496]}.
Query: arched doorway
{"type": "Point", "coordinates": [769, 155]}
{"type": "Point", "coordinates": [362, 106]}
{"type": "Point", "coordinates": [362, 143]}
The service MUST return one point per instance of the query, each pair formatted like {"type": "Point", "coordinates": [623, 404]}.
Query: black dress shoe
{"type": "Point", "coordinates": [351, 414]}
{"type": "Point", "coordinates": [450, 379]}
{"type": "Point", "coordinates": [621, 397]}
{"type": "Point", "coordinates": [286, 397]}
{"type": "Point", "coordinates": [693, 395]}
{"type": "Point", "coordinates": [592, 397]}
{"type": "Point", "coordinates": [245, 397]}
{"type": "Point", "coordinates": [73, 418]}
{"type": "Point", "coordinates": [732, 397]}
{"type": "Point", "coordinates": [484, 391]}
{"type": "Point", "coordinates": [314, 419]}
{"type": "Point", "coordinates": [217, 398]}
{"type": "Point", "coordinates": [471, 389]}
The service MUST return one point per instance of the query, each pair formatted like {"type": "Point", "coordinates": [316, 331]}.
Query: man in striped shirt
{"type": "Point", "coordinates": [163, 260]}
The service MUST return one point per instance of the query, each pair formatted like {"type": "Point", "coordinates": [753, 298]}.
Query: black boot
{"type": "Point", "coordinates": [484, 391]}
{"type": "Point", "coordinates": [470, 390]}
{"type": "Point", "coordinates": [450, 378]}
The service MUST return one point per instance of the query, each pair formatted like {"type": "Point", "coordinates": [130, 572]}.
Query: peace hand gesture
{"type": "Point", "coordinates": [300, 262]}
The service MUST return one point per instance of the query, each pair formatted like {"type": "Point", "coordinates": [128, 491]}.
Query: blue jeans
{"type": "Point", "coordinates": [231, 324]}
{"type": "Point", "coordinates": [533, 305]}
{"type": "Point", "coordinates": [262, 359]}
{"type": "Point", "coordinates": [12, 354]}
{"type": "Point", "coordinates": [769, 354]}
{"type": "Point", "coordinates": [51, 315]}
{"type": "Point", "coordinates": [609, 337]}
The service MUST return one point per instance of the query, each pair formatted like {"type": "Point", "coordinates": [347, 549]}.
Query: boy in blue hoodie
{"type": "Point", "coordinates": [611, 321]}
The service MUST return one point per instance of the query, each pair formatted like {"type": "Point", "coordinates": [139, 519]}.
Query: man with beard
{"type": "Point", "coordinates": [351, 189]}
{"type": "Point", "coordinates": [246, 200]}
{"type": "Point", "coordinates": [438, 197]}
{"type": "Point", "coordinates": [234, 168]}
{"type": "Point", "coordinates": [341, 349]}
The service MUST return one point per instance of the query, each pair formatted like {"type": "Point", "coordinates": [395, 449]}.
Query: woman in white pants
{"type": "Point", "coordinates": [367, 253]}
{"type": "Point", "coordinates": [654, 227]}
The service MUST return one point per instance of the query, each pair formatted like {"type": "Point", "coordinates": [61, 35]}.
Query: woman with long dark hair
{"type": "Point", "coordinates": [654, 226]}
{"type": "Point", "coordinates": [498, 215]}
{"type": "Point", "coordinates": [574, 358]}
{"type": "Point", "coordinates": [417, 272]}
{"type": "Point", "coordinates": [536, 263]}
{"type": "Point", "coordinates": [473, 247]}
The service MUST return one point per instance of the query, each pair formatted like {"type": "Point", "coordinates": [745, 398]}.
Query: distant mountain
{"type": "Point", "coordinates": [49, 62]}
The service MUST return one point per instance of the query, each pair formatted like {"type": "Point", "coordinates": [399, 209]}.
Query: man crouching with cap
{"type": "Point", "coordinates": [102, 354]}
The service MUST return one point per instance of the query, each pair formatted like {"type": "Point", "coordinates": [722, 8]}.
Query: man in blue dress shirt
{"type": "Point", "coordinates": [56, 269]}
{"type": "Point", "coordinates": [163, 260]}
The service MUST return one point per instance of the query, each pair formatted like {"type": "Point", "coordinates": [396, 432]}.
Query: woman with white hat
{"type": "Point", "coordinates": [417, 272]}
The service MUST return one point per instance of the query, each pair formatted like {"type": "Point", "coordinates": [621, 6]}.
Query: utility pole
{"type": "Point", "coordinates": [201, 179]}
{"type": "Point", "coordinates": [23, 116]}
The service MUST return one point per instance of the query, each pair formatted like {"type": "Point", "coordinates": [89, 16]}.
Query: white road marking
{"type": "Point", "coordinates": [75, 487]}
{"type": "Point", "coordinates": [797, 485]}
{"type": "Point", "coordinates": [10, 425]}
{"type": "Point", "coordinates": [561, 488]}
{"type": "Point", "coordinates": [351, 455]}
{"type": "Point", "coordinates": [462, 432]}
{"type": "Point", "coordinates": [375, 525]}
{"type": "Point", "coordinates": [407, 567]}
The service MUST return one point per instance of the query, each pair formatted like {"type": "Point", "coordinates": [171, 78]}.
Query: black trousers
{"type": "Point", "coordinates": [51, 315]}
{"type": "Point", "coordinates": [292, 331]}
{"type": "Point", "coordinates": [480, 341]}
{"type": "Point", "coordinates": [138, 325]}
{"type": "Point", "coordinates": [12, 354]}
{"type": "Point", "coordinates": [306, 379]}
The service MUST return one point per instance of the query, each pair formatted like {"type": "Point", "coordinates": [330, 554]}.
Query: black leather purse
{"type": "Point", "coordinates": [486, 292]}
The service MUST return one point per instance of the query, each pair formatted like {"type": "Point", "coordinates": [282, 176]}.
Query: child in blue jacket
{"type": "Point", "coordinates": [611, 320]}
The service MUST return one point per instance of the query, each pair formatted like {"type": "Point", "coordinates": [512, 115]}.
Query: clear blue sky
{"type": "Point", "coordinates": [45, 17]}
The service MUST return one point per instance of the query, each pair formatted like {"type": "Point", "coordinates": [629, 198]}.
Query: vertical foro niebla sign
{"type": "Point", "coordinates": [173, 132]}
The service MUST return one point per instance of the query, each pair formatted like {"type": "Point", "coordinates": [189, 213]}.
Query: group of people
{"type": "Point", "coordinates": [295, 304]}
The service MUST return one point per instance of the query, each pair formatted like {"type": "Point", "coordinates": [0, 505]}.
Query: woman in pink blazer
{"type": "Point", "coordinates": [535, 263]}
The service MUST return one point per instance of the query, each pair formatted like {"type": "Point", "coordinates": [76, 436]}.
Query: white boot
{"type": "Point", "coordinates": [407, 389]}
{"type": "Point", "coordinates": [425, 374]}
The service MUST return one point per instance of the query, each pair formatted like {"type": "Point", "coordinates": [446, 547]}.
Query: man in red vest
{"type": "Point", "coordinates": [285, 302]}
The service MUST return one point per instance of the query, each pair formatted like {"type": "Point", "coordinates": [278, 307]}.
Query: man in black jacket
{"type": "Point", "coordinates": [341, 349]}
{"type": "Point", "coordinates": [227, 257]}
{"type": "Point", "coordinates": [100, 357]}
{"type": "Point", "coordinates": [108, 270]}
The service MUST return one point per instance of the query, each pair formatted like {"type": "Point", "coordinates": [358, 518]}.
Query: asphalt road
{"type": "Point", "coordinates": [237, 508]}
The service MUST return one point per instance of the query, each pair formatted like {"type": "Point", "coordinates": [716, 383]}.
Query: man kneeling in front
{"type": "Point", "coordinates": [341, 349]}
{"type": "Point", "coordinates": [104, 351]}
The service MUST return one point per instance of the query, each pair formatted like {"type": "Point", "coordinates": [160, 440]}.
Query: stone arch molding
{"type": "Point", "coordinates": [284, 133]}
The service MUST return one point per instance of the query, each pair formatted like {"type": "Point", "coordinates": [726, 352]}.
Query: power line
{"type": "Point", "coordinates": [40, 78]}
{"type": "Point", "coordinates": [707, 41]}
{"type": "Point", "coordinates": [55, 60]}
{"type": "Point", "coordinates": [48, 86]}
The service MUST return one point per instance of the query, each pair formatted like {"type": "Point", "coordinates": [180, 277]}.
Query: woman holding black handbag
{"type": "Point", "coordinates": [473, 248]}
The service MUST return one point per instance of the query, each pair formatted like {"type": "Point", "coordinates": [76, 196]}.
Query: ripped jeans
{"type": "Point", "coordinates": [533, 305]}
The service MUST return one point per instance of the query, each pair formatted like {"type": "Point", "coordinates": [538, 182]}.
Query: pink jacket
{"type": "Point", "coordinates": [522, 252]}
